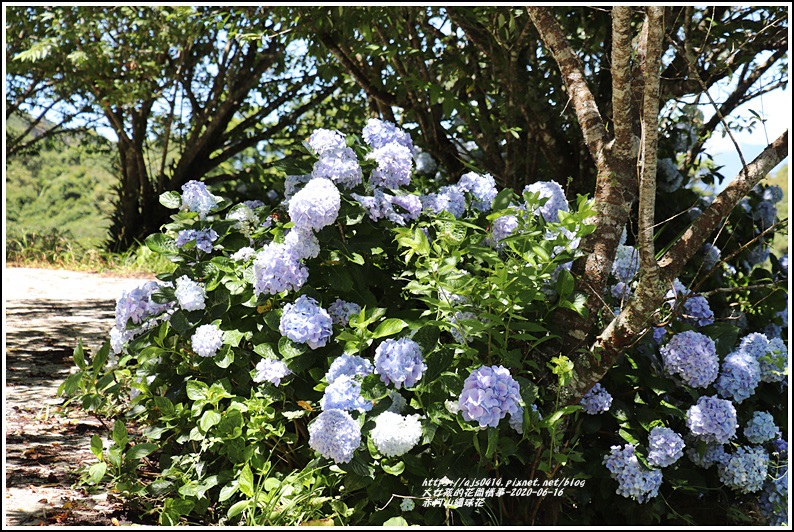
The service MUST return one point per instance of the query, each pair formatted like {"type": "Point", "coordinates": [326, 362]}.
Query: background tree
{"type": "Point", "coordinates": [185, 90]}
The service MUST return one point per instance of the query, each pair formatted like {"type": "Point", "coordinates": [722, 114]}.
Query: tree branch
{"type": "Point", "coordinates": [621, 81]}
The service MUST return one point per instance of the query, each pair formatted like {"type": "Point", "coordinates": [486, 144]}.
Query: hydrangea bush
{"type": "Point", "coordinates": [325, 358]}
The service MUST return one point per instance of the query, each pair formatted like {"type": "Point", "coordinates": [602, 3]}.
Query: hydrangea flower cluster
{"type": "Point", "coordinates": [399, 362]}
{"type": "Point", "coordinates": [668, 178]}
{"type": "Point", "coordinates": [325, 140]}
{"type": "Point", "coordinates": [693, 357]}
{"type": "Point", "coordinates": [136, 306]}
{"type": "Point", "coordinates": [714, 454]}
{"type": "Point", "coordinates": [597, 400]}
{"type": "Point", "coordinates": [341, 311]}
{"type": "Point", "coordinates": [395, 435]}
{"type": "Point", "coordinates": [634, 481]}
{"type": "Point", "coordinates": [764, 214]}
{"type": "Point", "coordinates": [502, 227]}
{"type": "Point", "coordinates": [761, 428]}
{"type": "Point", "coordinates": [697, 311]}
{"type": "Point", "coordinates": [745, 470]}
{"type": "Point", "coordinates": [379, 133]}
{"type": "Point", "coordinates": [382, 205]}
{"type": "Point", "coordinates": [626, 264]}
{"type": "Point", "coordinates": [277, 269]}
{"type": "Point", "coordinates": [306, 322]}
{"type": "Point", "coordinates": [316, 205]}
{"type": "Point", "coordinates": [407, 505]}
{"type": "Point", "coordinates": [344, 393]}
{"type": "Point", "coordinates": [482, 187]}
{"type": "Point", "coordinates": [338, 165]}
{"type": "Point", "coordinates": [395, 163]}
{"type": "Point", "coordinates": [335, 435]}
{"type": "Point", "coordinates": [756, 254]}
{"type": "Point", "coordinates": [556, 199]}
{"type": "Point", "coordinates": [774, 363]}
{"type": "Point", "coordinates": [272, 371]}
{"type": "Point", "coordinates": [740, 376]}
{"type": "Point", "coordinates": [449, 198]}
{"type": "Point", "coordinates": [203, 238]}
{"type": "Point", "coordinates": [348, 366]}
{"type": "Point", "coordinates": [190, 294]}
{"type": "Point", "coordinates": [772, 194]}
{"type": "Point", "coordinates": [665, 447]}
{"type": "Point", "coordinates": [302, 243]}
{"type": "Point", "coordinates": [712, 420]}
{"type": "Point", "coordinates": [774, 499]}
{"type": "Point", "coordinates": [458, 330]}
{"type": "Point", "coordinates": [207, 340]}
{"type": "Point", "coordinates": [196, 198]}
{"type": "Point", "coordinates": [711, 256]}
{"type": "Point", "coordinates": [489, 394]}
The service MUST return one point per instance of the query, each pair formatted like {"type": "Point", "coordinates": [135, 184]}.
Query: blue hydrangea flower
{"type": "Point", "coordinates": [634, 481]}
{"type": "Point", "coordinates": [137, 305]}
{"type": "Point", "coordinates": [665, 447]}
{"type": "Point", "coordinates": [349, 366]}
{"type": "Point", "coordinates": [668, 178]}
{"type": "Point", "coordinates": [381, 205]}
{"type": "Point", "coordinates": [340, 166]}
{"type": "Point", "coordinates": [271, 371]}
{"type": "Point", "coordinates": [774, 499]}
{"type": "Point", "coordinates": [626, 264]}
{"type": "Point", "coordinates": [697, 311]}
{"type": "Point", "coordinates": [597, 400]}
{"type": "Point", "coordinates": [276, 269]}
{"type": "Point", "coordinates": [335, 435]}
{"type": "Point", "coordinates": [712, 419]}
{"type": "Point", "coordinates": [745, 470]}
{"type": "Point", "coordinates": [556, 199]}
{"type": "Point", "coordinates": [255, 204]}
{"type": "Point", "coordinates": [344, 393]}
{"type": "Point", "coordinates": [306, 322]}
{"type": "Point", "coordinates": [621, 291]}
{"type": "Point", "coordinates": [196, 198]}
{"type": "Point", "coordinates": [341, 311]}
{"type": "Point", "coordinates": [395, 435]}
{"type": "Point", "coordinates": [207, 340]}
{"type": "Point", "coordinates": [203, 238]}
{"type": "Point", "coordinates": [772, 194]}
{"type": "Point", "coordinates": [449, 198]}
{"type": "Point", "coordinates": [739, 377]}
{"type": "Point", "coordinates": [693, 357]}
{"type": "Point", "coordinates": [756, 255]}
{"type": "Point", "coordinates": [677, 291]}
{"type": "Point", "coordinates": [425, 164]}
{"type": "Point", "coordinates": [407, 505]}
{"type": "Point", "coordinates": [323, 140]}
{"type": "Point", "coordinates": [714, 454]}
{"type": "Point", "coordinates": [761, 428]}
{"type": "Point", "coordinates": [459, 330]}
{"type": "Point", "coordinates": [190, 294]}
{"type": "Point", "coordinates": [711, 256]}
{"type": "Point", "coordinates": [774, 363]}
{"type": "Point", "coordinates": [516, 420]}
{"type": "Point", "coordinates": [489, 394]}
{"type": "Point", "coordinates": [395, 164]}
{"type": "Point", "coordinates": [302, 243]}
{"type": "Point", "coordinates": [315, 206]}
{"type": "Point", "coordinates": [379, 133]}
{"type": "Point", "coordinates": [754, 344]}
{"type": "Point", "coordinates": [765, 214]}
{"type": "Point", "coordinates": [451, 298]}
{"type": "Point", "coordinates": [399, 362]}
{"type": "Point", "coordinates": [482, 187]}
{"type": "Point", "coordinates": [658, 334]}
{"type": "Point", "coordinates": [502, 227]}
{"type": "Point", "coordinates": [411, 204]}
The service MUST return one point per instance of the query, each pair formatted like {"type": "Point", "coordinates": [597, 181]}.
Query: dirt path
{"type": "Point", "coordinates": [46, 311]}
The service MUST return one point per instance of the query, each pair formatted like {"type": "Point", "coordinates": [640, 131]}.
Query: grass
{"type": "Point", "coordinates": [60, 250]}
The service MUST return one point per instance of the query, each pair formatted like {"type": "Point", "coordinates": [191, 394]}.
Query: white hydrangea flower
{"type": "Point", "coordinates": [395, 435]}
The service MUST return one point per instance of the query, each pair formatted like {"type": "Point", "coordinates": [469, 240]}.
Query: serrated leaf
{"type": "Point", "coordinates": [290, 349]}
{"type": "Point", "coordinates": [171, 199]}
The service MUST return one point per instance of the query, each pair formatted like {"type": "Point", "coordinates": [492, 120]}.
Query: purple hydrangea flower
{"type": "Point", "coordinates": [137, 305]}
{"type": "Point", "coordinates": [293, 183]}
{"type": "Point", "coordinates": [745, 470]}
{"type": "Point", "coordinates": [190, 294]}
{"type": "Point", "coordinates": [306, 322]}
{"type": "Point", "coordinates": [597, 400]}
{"type": "Point", "coordinates": [276, 269]}
{"type": "Point", "coordinates": [449, 198]}
{"type": "Point", "coordinates": [335, 435]}
{"type": "Point", "coordinates": [712, 420]}
{"type": "Point", "coordinates": [556, 199]}
{"type": "Point", "coordinates": [739, 377]}
{"type": "Point", "coordinates": [271, 371]}
{"type": "Point", "coordinates": [302, 243]}
{"type": "Point", "coordinates": [761, 428]}
{"type": "Point", "coordinates": [381, 205]}
{"type": "Point", "coordinates": [207, 340]}
{"type": "Point", "coordinates": [196, 198]}
{"type": "Point", "coordinates": [482, 187]}
{"type": "Point", "coordinates": [502, 227]}
{"type": "Point", "coordinates": [714, 454]}
{"type": "Point", "coordinates": [665, 447]}
{"type": "Point", "coordinates": [315, 206]}
{"type": "Point", "coordinates": [764, 214]}
{"type": "Point", "coordinates": [693, 357]}
{"type": "Point", "coordinates": [711, 256]}
{"type": "Point", "coordinates": [379, 133]}
{"type": "Point", "coordinates": [772, 194]}
{"type": "Point", "coordinates": [348, 366]}
{"type": "Point", "coordinates": [203, 238]}
{"type": "Point", "coordinates": [395, 164]}
{"type": "Point", "coordinates": [697, 311]}
{"type": "Point", "coordinates": [774, 363]}
{"type": "Point", "coordinates": [626, 264]}
{"type": "Point", "coordinates": [341, 311]}
{"type": "Point", "coordinates": [344, 393]}
{"type": "Point", "coordinates": [489, 394]}
{"type": "Point", "coordinates": [774, 499]}
{"type": "Point", "coordinates": [399, 362]}
{"type": "Point", "coordinates": [634, 481]}
{"type": "Point", "coordinates": [340, 166]}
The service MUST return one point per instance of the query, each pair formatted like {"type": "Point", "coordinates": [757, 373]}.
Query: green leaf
{"type": "Point", "coordinates": [396, 469]}
{"type": "Point", "coordinates": [227, 491]}
{"type": "Point", "coordinates": [196, 390]}
{"type": "Point", "coordinates": [101, 357]}
{"type": "Point", "coordinates": [79, 356]}
{"type": "Point", "coordinates": [493, 439]}
{"type": "Point", "coordinates": [427, 338]}
{"type": "Point", "coordinates": [141, 450]}
{"type": "Point", "coordinates": [97, 446]}
{"type": "Point", "coordinates": [171, 199]}
{"type": "Point", "coordinates": [396, 521]}
{"type": "Point", "coordinates": [161, 243]}
{"type": "Point", "coordinates": [224, 358]}
{"type": "Point", "coordinates": [246, 481]}
{"type": "Point", "coordinates": [503, 199]}
{"type": "Point", "coordinates": [97, 472]}
{"type": "Point", "coordinates": [70, 385]}
{"type": "Point", "coordinates": [373, 389]}
{"type": "Point", "coordinates": [209, 419]}
{"type": "Point", "coordinates": [290, 349]}
{"type": "Point", "coordinates": [628, 437]}
{"type": "Point", "coordinates": [119, 433]}
{"type": "Point", "coordinates": [233, 337]}
{"type": "Point", "coordinates": [389, 327]}
{"type": "Point", "coordinates": [238, 508]}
